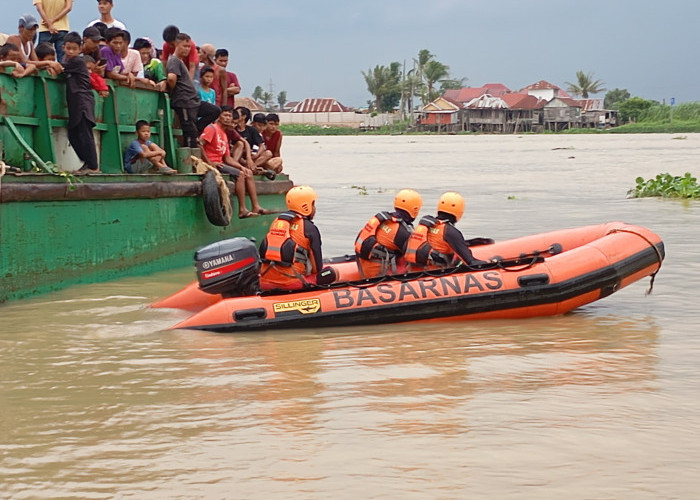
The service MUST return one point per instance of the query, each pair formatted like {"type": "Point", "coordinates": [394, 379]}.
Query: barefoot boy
{"type": "Point", "coordinates": [143, 156]}
{"type": "Point", "coordinates": [81, 104]}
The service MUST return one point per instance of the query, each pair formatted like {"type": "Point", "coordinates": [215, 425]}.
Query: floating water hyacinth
{"type": "Point", "coordinates": [666, 186]}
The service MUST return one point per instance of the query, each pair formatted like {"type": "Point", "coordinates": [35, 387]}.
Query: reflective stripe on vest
{"type": "Point", "coordinates": [366, 241]}
{"type": "Point", "coordinates": [419, 249]}
{"type": "Point", "coordinates": [280, 237]}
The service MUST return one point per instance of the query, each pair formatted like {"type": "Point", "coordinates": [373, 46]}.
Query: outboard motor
{"type": "Point", "coordinates": [229, 267]}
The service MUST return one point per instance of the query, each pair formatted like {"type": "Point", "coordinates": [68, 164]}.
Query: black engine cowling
{"type": "Point", "coordinates": [229, 267]}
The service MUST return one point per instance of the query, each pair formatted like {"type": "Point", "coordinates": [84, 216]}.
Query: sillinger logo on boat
{"type": "Point", "coordinates": [224, 259]}
{"type": "Point", "coordinates": [307, 306]}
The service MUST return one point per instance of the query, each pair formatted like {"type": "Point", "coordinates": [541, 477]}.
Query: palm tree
{"type": "Point", "coordinates": [409, 86]}
{"type": "Point", "coordinates": [258, 93]}
{"type": "Point", "coordinates": [433, 72]}
{"type": "Point", "coordinates": [267, 99]}
{"type": "Point", "coordinates": [384, 83]}
{"type": "Point", "coordinates": [586, 85]}
{"type": "Point", "coordinates": [373, 78]}
{"type": "Point", "coordinates": [424, 57]}
{"type": "Point", "coordinates": [282, 99]}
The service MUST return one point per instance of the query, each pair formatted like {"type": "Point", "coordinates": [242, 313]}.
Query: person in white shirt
{"type": "Point", "coordinates": [105, 7]}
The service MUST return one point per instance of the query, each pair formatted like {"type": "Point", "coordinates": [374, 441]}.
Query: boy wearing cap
{"type": "Point", "coordinates": [105, 9]}
{"type": "Point", "coordinates": [54, 22]}
{"type": "Point", "coordinates": [25, 42]}
{"type": "Point", "coordinates": [91, 44]}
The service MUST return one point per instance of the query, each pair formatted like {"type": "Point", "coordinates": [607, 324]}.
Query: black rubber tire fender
{"type": "Point", "coordinates": [213, 205]}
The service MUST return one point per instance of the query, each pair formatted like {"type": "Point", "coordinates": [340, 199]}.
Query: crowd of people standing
{"type": "Point", "coordinates": [196, 77]}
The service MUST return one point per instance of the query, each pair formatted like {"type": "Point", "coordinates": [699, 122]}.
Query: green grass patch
{"type": "Point", "coordinates": [666, 186]}
{"type": "Point", "coordinates": [302, 129]}
{"type": "Point", "coordinates": [657, 128]}
{"type": "Point", "coordinates": [399, 127]}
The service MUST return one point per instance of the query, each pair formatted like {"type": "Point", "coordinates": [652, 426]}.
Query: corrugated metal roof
{"type": "Point", "coordinates": [487, 101]}
{"type": "Point", "coordinates": [596, 104]}
{"type": "Point", "coordinates": [250, 103]}
{"type": "Point", "coordinates": [519, 100]}
{"type": "Point", "coordinates": [325, 105]}
{"type": "Point", "coordinates": [567, 100]}
{"type": "Point", "coordinates": [544, 85]}
{"type": "Point", "coordinates": [467, 94]}
{"type": "Point", "coordinates": [290, 105]}
{"type": "Point", "coordinates": [541, 85]}
{"type": "Point", "coordinates": [442, 104]}
{"type": "Point", "coordinates": [495, 89]}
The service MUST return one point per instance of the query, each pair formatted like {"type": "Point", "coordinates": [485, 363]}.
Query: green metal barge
{"type": "Point", "coordinates": [57, 229]}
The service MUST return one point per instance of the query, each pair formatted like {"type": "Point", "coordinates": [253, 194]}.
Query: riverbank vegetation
{"type": "Point", "coordinates": [666, 186]}
{"type": "Point", "coordinates": [644, 116]}
{"type": "Point", "coordinates": [398, 127]}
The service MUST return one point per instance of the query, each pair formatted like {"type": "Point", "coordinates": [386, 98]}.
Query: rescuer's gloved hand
{"type": "Point", "coordinates": [326, 276]}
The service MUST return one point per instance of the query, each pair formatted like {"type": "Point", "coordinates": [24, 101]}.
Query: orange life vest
{"type": "Point", "coordinates": [286, 244]}
{"type": "Point", "coordinates": [375, 240]}
{"type": "Point", "coordinates": [427, 245]}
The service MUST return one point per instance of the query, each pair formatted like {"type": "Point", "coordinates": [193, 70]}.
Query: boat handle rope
{"type": "Point", "coordinates": [652, 245]}
{"type": "Point", "coordinates": [510, 269]}
{"type": "Point", "coordinates": [499, 264]}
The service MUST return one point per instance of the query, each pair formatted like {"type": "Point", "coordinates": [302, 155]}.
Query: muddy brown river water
{"type": "Point", "coordinates": [98, 399]}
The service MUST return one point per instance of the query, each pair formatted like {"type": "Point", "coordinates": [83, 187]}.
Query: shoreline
{"type": "Point", "coordinates": [404, 129]}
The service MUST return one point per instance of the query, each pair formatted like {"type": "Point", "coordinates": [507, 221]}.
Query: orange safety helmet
{"type": "Point", "coordinates": [301, 199]}
{"type": "Point", "coordinates": [408, 200]}
{"type": "Point", "coordinates": [451, 203]}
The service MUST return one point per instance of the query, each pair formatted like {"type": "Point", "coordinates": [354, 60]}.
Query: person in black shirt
{"type": "Point", "coordinates": [259, 155]}
{"type": "Point", "coordinates": [194, 114]}
{"type": "Point", "coordinates": [81, 104]}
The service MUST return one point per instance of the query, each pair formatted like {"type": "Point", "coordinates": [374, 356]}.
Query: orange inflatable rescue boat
{"type": "Point", "coordinates": [540, 275]}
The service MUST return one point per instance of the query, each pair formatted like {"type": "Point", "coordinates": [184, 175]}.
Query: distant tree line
{"type": "Point", "coordinates": [267, 99]}
{"type": "Point", "coordinates": [396, 86]}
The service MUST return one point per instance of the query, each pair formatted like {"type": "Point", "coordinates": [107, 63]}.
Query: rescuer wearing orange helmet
{"type": "Point", "coordinates": [436, 242]}
{"type": "Point", "coordinates": [380, 245]}
{"type": "Point", "coordinates": [291, 251]}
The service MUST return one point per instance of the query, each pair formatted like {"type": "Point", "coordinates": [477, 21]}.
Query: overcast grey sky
{"type": "Point", "coordinates": [314, 48]}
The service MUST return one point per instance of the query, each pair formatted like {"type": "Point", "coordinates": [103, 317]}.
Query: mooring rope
{"type": "Point", "coordinates": [201, 168]}
{"type": "Point", "coordinates": [3, 169]}
{"type": "Point", "coordinates": [652, 245]}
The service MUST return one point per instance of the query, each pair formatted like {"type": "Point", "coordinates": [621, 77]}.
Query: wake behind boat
{"type": "Point", "coordinates": [539, 275]}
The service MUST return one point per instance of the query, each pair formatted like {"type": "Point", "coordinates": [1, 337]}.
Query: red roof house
{"type": "Point", "coordinates": [544, 90]}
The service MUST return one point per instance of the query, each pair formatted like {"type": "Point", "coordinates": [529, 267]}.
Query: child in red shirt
{"type": "Point", "coordinates": [98, 83]}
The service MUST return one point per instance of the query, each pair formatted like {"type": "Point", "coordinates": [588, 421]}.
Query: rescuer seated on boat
{"type": "Point", "coordinates": [291, 251]}
{"type": "Point", "coordinates": [381, 244]}
{"type": "Point", "coordinates": [437, 243]}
